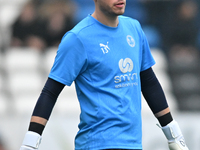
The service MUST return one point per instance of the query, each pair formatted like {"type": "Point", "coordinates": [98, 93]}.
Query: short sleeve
{"type": "Point", "coordinates": [70, 61]}
{"type": "Point", "coordinates": [147, 58]}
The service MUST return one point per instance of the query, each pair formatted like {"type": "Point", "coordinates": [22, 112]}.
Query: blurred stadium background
{"type": "Point", "coordinates": [24, 70]}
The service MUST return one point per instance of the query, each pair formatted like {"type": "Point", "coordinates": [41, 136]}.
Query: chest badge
{"type": "Point", "coordinates": [130, 41]}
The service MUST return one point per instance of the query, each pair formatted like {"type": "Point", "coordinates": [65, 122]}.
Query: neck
{"type": "Point", "coordinates": [106, 20]}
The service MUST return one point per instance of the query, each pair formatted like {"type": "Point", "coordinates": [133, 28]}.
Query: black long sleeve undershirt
{"type": "Point", "coordinates": [154, 95]}
{"type": "Point", "coordinates": [48, 98]}
{"type": "Point", "coordinates": [152, 91]}
{"type": "Point", "coordinates": [45, 103]}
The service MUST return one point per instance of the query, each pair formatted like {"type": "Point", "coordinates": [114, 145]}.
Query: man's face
{"type": "Point", "coordinates": [111, 7]}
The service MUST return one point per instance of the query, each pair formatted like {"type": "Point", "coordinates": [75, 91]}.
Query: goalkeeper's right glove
{"type": "Point", "coordinates": [175, 138]}
{"type": "Point", "coordinates": [31, 141]}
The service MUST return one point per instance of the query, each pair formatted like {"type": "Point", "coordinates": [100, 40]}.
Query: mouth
{"type": "Point", "coordinates": [120, 4]}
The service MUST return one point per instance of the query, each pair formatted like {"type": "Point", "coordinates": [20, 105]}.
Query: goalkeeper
{"type": "Point", "coordinates": [108, 57]}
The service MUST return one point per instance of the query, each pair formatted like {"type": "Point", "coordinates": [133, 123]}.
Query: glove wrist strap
{"type": "Point", "coordinates": [172, 130]}
{"type": "Point", "coordinates": [32, 139]}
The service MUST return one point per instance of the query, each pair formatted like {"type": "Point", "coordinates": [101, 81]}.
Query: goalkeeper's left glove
{"type": "Point", "coordinates": [175, 138]}
{"type": "Point", "coordinates": [31, 141]}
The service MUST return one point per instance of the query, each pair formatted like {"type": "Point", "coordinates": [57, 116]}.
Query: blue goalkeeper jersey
{"type": "Point", "coordinates": [105, 63]}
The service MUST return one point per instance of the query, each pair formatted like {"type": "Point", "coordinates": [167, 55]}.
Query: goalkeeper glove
{"type": "Point", "coordinates": [175, 138]}
{"type": "Point", "coordinates": [31, 141]}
